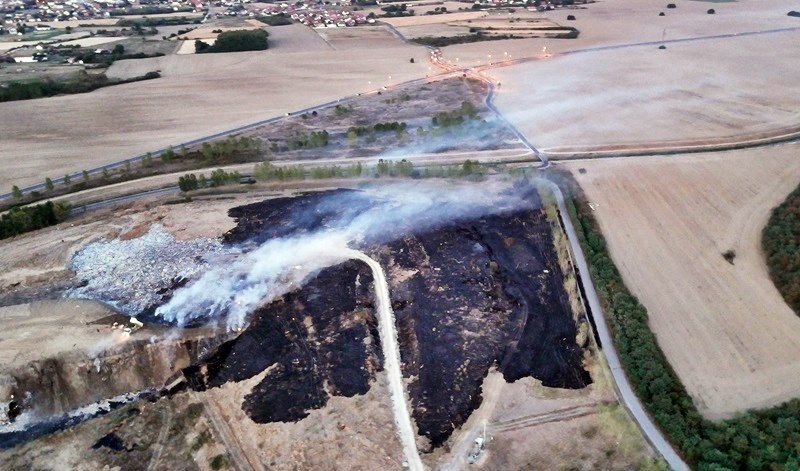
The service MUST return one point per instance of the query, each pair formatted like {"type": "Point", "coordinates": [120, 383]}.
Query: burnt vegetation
{"type": "Point", "coordinates": [484, 291]}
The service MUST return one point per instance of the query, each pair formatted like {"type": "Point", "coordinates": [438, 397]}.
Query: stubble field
{"type": "Point", "coordinates": [724, 327]}
{"type": "Point", "coordinates": [196, 96]}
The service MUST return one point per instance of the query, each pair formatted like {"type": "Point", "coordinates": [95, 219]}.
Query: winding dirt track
{"type": "Point", "coordinates": [391, 362]}
{"type": "Point", "coordinates": [166, 417]}
{"type": "Point", "coordinates": [233, 446]}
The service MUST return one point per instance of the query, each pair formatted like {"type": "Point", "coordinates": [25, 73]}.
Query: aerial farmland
{"type": "Point", "coordinates": [423, 235]}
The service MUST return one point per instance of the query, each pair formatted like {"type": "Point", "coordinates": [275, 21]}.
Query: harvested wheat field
{"type": "Point", "coordinates": [661, 100]}
{"type": "Point", "coordinates": [404, 21]}
{"type": "Point", "coordinates": [615, 22]}
{"type": "Point", "coordinates": [356, 38]}
{"type": "Point", "coordinates": [196, 96]}
{"type": "Point", "coordinates": [296, 38]}
{"type": "Point", "coordinates": [724, 327]}
{"type": "Point", "coordinates": [574, 100]}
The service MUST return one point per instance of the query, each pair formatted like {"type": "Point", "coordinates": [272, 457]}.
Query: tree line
{"type": "Point", "coordinates": [755, 440]}
{"type": "Point", "coordinates": [30, 218]}
{"type": "Point", "coordinates": [219, 177]}
{"type": "Point", "coordinates": [456, 117]}
{"type": "Point", "coordinates": [46, 87]}
{"type": "Point", "coordinates": [267, 171]}
{"type": "Point", "coordinates": [781, 242]}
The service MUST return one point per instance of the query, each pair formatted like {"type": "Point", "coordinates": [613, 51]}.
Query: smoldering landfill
{"type": "Point", "coordinates": [232, 280]}
{"type": "Point", "coordinates": [134, 275]}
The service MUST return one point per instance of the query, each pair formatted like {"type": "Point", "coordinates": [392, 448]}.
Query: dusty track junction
{"type": "Point", "coordinates": [651, 134]}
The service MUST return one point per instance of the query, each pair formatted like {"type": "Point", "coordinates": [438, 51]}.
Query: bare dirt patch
{"type": "Point", "coordinates": [668, 221]}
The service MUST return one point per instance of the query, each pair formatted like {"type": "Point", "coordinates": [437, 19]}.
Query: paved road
{"type": "Point", "coordinates": [625, 392]}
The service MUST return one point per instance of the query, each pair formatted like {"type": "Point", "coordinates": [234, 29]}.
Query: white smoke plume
{"type": "Point", "coordinates": [281, 265]}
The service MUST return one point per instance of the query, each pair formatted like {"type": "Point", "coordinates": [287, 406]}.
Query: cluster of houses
{"type": "Point", "coordinates": [329, 18]}
{"type": "Point", "coordinates": [30, 11]}
{"type": "Point", "coordinates": [319, 14]}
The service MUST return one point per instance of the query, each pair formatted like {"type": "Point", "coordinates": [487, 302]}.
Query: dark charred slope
{"type": "Point", "coordinates": [284, 217]}
{"type": "Point", "coordinates": [481, 296]}
{"type": "Point", "coordinates": [310, 337]}
{"type": "Point", "coordinates": [468, 295]}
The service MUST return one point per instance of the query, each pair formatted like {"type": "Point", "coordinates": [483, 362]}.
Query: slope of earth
{"type": "Point", "coordinates": [660, 101]}
{"type": "Point", "coordinates": [723, 326]}
{"type": "Point", "coordinates": [198, 95]}
{"type": "Point", "coordinates": [466, 295]}
{"type": "Point", "coordinates": [533, 425]}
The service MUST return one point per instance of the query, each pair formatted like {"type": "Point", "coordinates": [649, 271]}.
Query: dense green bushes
{"type": "Point", "coordinates": [756, 440]}
{"type": "Point", "coordinates": [40, 88]}
{"type": "Point", "coordinates": [781, 242]}
{"type": "Point", "coordinates": [447, 119]}
{"type": "Point", "coordinates": [480, 34]}
{"type": "Point", "coordinates": [236, 41]}
{"type": "Point", "coordinates": [29, 218]}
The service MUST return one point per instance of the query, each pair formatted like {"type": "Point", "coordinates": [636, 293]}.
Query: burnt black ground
{"type": "Point", "coordinates": [312, 335]}
{"type": "Point", "coordinates": [484, 291]}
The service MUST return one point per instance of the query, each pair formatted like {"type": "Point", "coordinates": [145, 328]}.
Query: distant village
{"type": "Point", "coordinates": [15, 11]}
{"type": "Point", "coordinates": [20, 16]}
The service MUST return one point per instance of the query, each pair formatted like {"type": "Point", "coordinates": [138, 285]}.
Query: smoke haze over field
{"type": "Point", "coordinates": [343, 219]}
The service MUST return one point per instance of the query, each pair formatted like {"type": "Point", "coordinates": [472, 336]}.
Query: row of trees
{"type": "Point", "coordinates": [354, 132]}
{"type": "Point", "coordinates": [266, 171]}
{"type": "Point", "coordinates": [393, 11]}
{"type": "Point", "coordinates": [781, 242]}
{"type": "Point", "coordinates": [45, 87]}
{"type": "Point", "coordinates": [228, 148]}
{"type": "Point", "coordinates": [30, 218]}
{"type": "Point", "coordinates": [219, 177]}
{"type": "Point", "coordinates": [760, 440]}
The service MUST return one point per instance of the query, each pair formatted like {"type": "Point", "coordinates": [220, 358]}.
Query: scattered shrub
{"type": "Point", "coordinates": [729, 256]}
